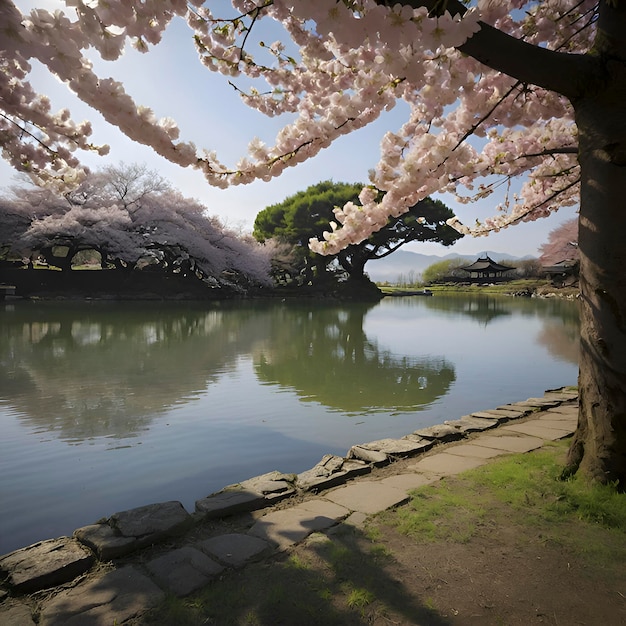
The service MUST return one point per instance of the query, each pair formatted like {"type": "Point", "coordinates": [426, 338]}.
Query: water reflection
{"type": "Point", "coordinates": [85, 371]}
{"type": "Point", "coordinates": [482, 308]}
{"type": "Point", "coordinates": [106, 370]}
{"type": "Point", "coordinates": [560, 333]}
{"type": "Point", "coordinates": [560, 318]}
{"type": "Point", "coordinates": [325, 356]}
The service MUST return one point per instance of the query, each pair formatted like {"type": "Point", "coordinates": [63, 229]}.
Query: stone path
{"type": "Point", "coordinates": [116, 569]}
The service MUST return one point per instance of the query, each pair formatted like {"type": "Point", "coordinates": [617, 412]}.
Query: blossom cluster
{"type": "Point", "coordinates": [354, 60]}
{"type": "Point", "coordinates": [154, 222]}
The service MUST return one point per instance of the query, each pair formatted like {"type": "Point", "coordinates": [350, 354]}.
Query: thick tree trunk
{"type": "Point", "coordinates": [353, 262]}
{"type": "Point", "coordinates": [599, 445]}
{"type": "Point", "coordinates": [595, 83]}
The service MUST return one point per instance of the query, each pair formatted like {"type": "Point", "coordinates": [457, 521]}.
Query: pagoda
{"type": "Point", "coordinates": [486, 269]}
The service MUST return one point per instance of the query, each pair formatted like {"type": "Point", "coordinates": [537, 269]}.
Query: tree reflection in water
{"type": "Point", "coordinates": [325, 357]}
{"type": "Point", "coordinates": [560, 318]}
{"type": "Point", "coordinates": [107, 370]}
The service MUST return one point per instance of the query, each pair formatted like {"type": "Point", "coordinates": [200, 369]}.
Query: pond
{"type": "Point", "coordinates": [107, 406]}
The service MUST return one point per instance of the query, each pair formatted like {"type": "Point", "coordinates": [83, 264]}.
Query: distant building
{"type": "Point", "coordinates": [562, 273]}
{"type": "Point", "coordinates": [485, 269]}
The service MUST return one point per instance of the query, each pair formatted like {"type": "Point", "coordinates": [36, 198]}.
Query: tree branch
{"type": "Point", "coordinates": [25, 131]}
{"type": "Point", "coordinates": [563, 73]}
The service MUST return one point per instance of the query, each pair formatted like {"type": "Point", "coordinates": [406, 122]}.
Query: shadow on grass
{"type": "Point", "coordinates": [340, 578]}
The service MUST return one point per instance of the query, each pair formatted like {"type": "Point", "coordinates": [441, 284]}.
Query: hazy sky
{"type": "Point", "coordinates": [170, 80]}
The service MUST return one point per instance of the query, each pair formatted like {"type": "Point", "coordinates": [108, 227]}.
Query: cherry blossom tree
{"type": "Point", "coordinates": [133, 219]}
{"type": "Point", "coordinates": [498, 91]}
{"type": "Point", "coordinates": [562, 244]}
{"type": "Point", "coordinates": [125, 184]}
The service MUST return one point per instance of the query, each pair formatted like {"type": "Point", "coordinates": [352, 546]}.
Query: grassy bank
{"type": "Point", "coordinates": [542, 288]}
{"type": "Point", "coordinates": [506, 544]}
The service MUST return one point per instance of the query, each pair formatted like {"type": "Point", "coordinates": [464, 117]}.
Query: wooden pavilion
{"type": "Point", "coordinates": [563, 273]}
{"type": "Point", "coordinates": [486, 269]}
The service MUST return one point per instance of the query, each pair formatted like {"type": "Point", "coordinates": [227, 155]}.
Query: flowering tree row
{"type": "Point", "coordinates": [133, 219]}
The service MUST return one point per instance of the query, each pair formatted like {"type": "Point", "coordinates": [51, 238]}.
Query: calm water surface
{"type": "Point", "coordinates": [109, 406]}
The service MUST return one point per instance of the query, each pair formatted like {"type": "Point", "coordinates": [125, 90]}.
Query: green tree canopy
{"type": "Point", "coordinates": [442, 269]}
{"type": "Point", "coordinates": [306, 214]}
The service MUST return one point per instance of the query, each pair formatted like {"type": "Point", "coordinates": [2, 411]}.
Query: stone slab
{"type": "Point", "coordinates": [110, 598]}
{"type": "Point", "coordinates": [328, 464]}
{"type": "Point", "coordinates": [355, 520]}
{"type": "Point", "coordinates": [474, 450]}
{"type": "Point", "coordinates": [551, 416]}
{"type": "Point", "coordinates": [535, 403]}
{"type": "Point", "coordinates": [562, 395]}
{"type": "Point", "coordinates": [184, 570]}
{"type": "Point", "coordinates": [562, 422]}
{"type": "Point", "coordinates": [543, 401]}
{"type": "Point", "coordinates": [288, 526]}
{"type": "Point", "coordinates": [321, 506]}
{"type": "Point", "coordinates": [327, 468]}
{"type": "Point", "coordinates": [235, 549]}
{"type": "Point", "coordinates": [105, 541]}
{"type": "Point", "coordinates": [536, 429]}
{"type": "Point", "coordinates": [329, 474]}
{"type": "Point", "coordinates": [16, 614]}
{"type": "Point", "coordinates": [409, 481]}
{"type": "Point", "coordinates": [230, 502]}
{"type": "Point", "coordinates": [564, 409]}
{"type": "Point", "coordinates": [446, 464]}
{"type": "Point", "coordinates": [273, 485]}
{"type": "Point", "coordinates": [46, 564]}
{"type": "Point", "coordinates": [522, 409]}
{"type": "Point", "coordinates": [367, 496]}
{"type": "Point", "coordinates": [397, 447]}
{"type": "Point", "coordinates": [153, 520]}
{"type": "Point", "coordinates": [440, 432]}
{"type": "Point", "coordinates": [510, 443]}
{"type": "Point", "coordinates": [468, 424]}
{"type": "Point", "coordinates": [376, 457]}
{"type": "Point", "coordinates": [502, 415]}
{"type": "Point", "coordinates": [567, 424]}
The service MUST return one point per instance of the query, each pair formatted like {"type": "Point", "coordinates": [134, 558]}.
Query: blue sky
{"type": "Point", "coordinates": [171, 81]}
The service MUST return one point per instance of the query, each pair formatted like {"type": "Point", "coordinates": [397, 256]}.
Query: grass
{"type": "Point", "coordinates": [360, 598]}
{"type": "Point", "coordinates": [532, 494]}
{"type": "Point", "coordinates": [431, 513]}
{"type": "Point", "coordinates": [532, 483]}
{"type": "Point", "coordinates": [504, 288]}
{"type": "Point", "coordinates": [348, 576]}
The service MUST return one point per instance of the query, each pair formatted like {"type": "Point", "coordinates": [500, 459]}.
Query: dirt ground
{"type": "Point", "coordinates": [480, 562]}
{"type": "Point", "coordinates": [504, 576]}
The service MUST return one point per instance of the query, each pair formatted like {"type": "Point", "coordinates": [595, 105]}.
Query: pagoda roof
{"type": "Point", "coordinates": [486, 263]}
{"type": "Point", "coordinates": [562, 266]}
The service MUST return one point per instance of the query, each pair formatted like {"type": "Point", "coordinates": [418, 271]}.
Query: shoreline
{"type": "Point", "coordinates": [51, 567]}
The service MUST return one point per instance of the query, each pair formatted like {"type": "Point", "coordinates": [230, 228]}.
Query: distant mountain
{"type": "Point", "coordinates": [402, 262]}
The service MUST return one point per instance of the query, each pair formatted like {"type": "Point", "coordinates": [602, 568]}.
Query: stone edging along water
{"type": "Point", "coordinates": [55, 562]}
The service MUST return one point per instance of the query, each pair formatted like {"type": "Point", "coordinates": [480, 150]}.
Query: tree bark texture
{"type": "Point", "coordinates": [599, 445]}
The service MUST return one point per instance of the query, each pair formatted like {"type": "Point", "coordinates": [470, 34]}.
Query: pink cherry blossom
{"type": "Point", "coordinates": [355, 60]}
